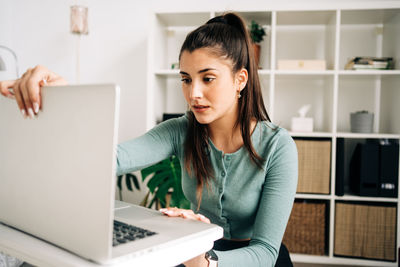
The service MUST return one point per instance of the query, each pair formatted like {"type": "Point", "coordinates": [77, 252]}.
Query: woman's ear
{"type": "Point", "coordinates": [241, 78]}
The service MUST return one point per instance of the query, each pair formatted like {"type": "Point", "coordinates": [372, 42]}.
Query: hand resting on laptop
{"type": "Point", "coordinates": [26, 90]}
{"type": "Point", "coordinates": [187, 214]}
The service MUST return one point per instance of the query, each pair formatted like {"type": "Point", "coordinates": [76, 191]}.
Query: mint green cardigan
{"type": "Point", "coordinates": [248, 202]}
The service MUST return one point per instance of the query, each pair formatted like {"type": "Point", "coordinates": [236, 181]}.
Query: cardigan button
{"type": "Point", "coordinates": [223, 174]}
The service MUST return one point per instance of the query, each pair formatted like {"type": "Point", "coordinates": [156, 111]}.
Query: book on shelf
{"type": "Point", "coordinates": [369, 63]}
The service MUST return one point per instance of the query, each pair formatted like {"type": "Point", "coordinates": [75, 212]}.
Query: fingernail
{"type": "Point", "coordinates": [23, 113]}
{"type": "Point", "coordinates": [36, 107]}
{"type": "Point", "coordinates": [168, 212]}
{"type": "Point", "coordinates": [11, 96]}
{"type": "Point", "coordinates": [30, 111]}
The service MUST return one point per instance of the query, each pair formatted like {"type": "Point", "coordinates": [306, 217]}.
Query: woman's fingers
{"type": "Point", "coordinates": [6, 88]}
{"type": "Point", "coordinates": [25, 92]}
{"type": "Point", "coordinates": [27, 89]}
{"type": "Point", "coordinates": [187, 214]}
{"type": "Point", "coordinates": [19, 98]}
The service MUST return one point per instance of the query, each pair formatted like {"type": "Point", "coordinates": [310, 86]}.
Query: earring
{"type": "Point", "coordinates": [238, 95]}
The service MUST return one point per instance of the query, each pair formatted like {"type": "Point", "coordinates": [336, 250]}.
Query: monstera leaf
{"type": "Point", "coordinates": [166, 180]}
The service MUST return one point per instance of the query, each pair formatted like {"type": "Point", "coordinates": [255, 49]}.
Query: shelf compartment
{"type": "Point", "coordinates": [169, 98]}
{"type": "Point", "coordinates": [266, 91]}
{"type": "Point", "coordinates": [263, 18]}
{"type": "Point", "coordinates": [365, 230]}
{"type": "Point", "coordinates": [306, 231]}
{"type": "Point", "coordinates": [389, 105]}
{"type": "Point", "coordinates": [369, 181]}
{"type": "Point", "coordinates": [294, 91]}
{"type": "Point", "coordinates": [169, 34]}
{"type": "Point", "coordinates": [369, 33]}
{"type": "Point", "coordinates": [312, 31]}
{"type": "Point", "coordinates": [380, 95]}
{"type": "Point", "coordinates": [314, 165]}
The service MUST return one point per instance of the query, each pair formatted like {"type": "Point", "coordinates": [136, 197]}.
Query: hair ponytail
{"type": "Point", "coordinates": [226, 36]}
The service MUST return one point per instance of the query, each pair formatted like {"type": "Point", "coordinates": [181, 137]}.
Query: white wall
{"type": "Point", "coordinates": [115, 49]}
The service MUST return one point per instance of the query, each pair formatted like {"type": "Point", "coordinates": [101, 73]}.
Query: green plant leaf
{"type": "Point", "coordinates": [128, 183]}
{"type": "Point", "coordinates": [134, 180]}
{"type": "Point", "coordinates": [162, 165]}
{"type": "Point", "coordinates": [256, 32]}
{"type": "Point", "coordinates": [166, 176]}
{"type": "Point", "coordinates": [162, 191]}
{"type": "Point", "coordinates": [119, 182]}
{"type": "Point", "coordinates": [158, 179]}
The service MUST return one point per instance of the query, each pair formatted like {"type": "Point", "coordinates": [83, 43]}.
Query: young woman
{"type": "Point", "coordinates": [238, 169]}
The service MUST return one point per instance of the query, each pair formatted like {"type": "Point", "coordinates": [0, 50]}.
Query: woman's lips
{"type": "Point", "coordinates": [200, 108]}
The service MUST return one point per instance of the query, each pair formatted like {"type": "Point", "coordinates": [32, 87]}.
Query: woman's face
{"type": "Point", "coordinates": [209, 87]}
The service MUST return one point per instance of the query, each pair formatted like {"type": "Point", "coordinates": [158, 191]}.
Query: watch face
{"type": "Point", "coordinates": [211, 255]}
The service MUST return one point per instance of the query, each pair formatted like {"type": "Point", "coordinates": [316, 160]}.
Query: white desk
{"type": "Point", "coordinates": [41, 253]}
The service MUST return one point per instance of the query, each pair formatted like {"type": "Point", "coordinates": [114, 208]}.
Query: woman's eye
{"type": "Point", "coordinates": [209, 79]}
{"type": "Point", "coordinates": [185, 80]}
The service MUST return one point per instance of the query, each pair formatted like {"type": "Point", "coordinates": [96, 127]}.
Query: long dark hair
{"type": "Point", "coordinates": [227, 37]}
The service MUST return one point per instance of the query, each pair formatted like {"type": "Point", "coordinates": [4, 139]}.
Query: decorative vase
{"type": "Point", "coordinates": [361, 122]}
{"type": "Point", "coordinates": [257, 49]}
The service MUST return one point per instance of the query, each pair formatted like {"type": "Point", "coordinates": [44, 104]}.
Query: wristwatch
{"type": "Point", "coordinates": [212, 258]}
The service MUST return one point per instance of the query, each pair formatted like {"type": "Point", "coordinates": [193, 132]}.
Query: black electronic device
{"type": "Point", "coordinates": [389, 169]}
{"type": "Point", "coordinates": [364, 169]}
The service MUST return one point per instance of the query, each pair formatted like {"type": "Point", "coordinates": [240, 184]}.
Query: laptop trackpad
{"type": "Point", "coordinates": [136, 213]}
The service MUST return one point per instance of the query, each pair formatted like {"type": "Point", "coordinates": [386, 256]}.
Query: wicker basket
{"type": "Point", "coordinates": [306, 229]}
{"type": "Point", "coordinates": [366, 231]}
{"type": "Point", "coordinates": [314, 166]}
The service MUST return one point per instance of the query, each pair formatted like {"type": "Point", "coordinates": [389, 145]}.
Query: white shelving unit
{"type": "Point", "coordinates": [333, 35]}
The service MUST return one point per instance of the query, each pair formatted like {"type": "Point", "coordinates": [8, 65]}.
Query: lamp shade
{"type": "Point", "coordinates": [79, 20]}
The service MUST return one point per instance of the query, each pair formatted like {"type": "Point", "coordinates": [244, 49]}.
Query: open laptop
{"type": "Point", "coordinates": [57, 183]}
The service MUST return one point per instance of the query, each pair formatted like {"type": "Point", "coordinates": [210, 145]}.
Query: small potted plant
{"type": "Point", "coordinates": [257, 34]}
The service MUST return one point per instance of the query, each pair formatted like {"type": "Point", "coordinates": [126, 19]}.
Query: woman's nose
{"type": "Point", "coordinates": [196, 91]}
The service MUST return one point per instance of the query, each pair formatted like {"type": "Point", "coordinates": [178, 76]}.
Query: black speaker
{"type": "Point", "coordinates": [389, 170]}
{"type": "Point", "coordinates": [364, 169]}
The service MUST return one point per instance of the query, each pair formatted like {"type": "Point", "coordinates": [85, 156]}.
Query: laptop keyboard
{"type": "Point", "coordinates": [124, 233]}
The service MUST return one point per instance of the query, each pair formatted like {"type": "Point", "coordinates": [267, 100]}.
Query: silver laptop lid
{"type": "Point", "coordinates": [57, 170]}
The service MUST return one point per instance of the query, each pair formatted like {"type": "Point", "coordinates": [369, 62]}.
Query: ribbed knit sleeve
{"type": "Point", "coordinates": [157, 144]}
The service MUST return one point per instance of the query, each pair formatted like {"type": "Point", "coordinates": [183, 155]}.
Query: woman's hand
{"type": "Point", "coordinates": [199, 261]}
{"type": "Point", "coordinates": [187, 214]}
{"type": "Point", "coordinates": [27, 89]}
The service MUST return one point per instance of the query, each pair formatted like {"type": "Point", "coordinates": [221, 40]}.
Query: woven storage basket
{"type": "Point", "coordinates": [366, 231]}
{"type": "Point", "coordinates": [314, 166]}
{"type": "Point", "coordinates": [305, 232]}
